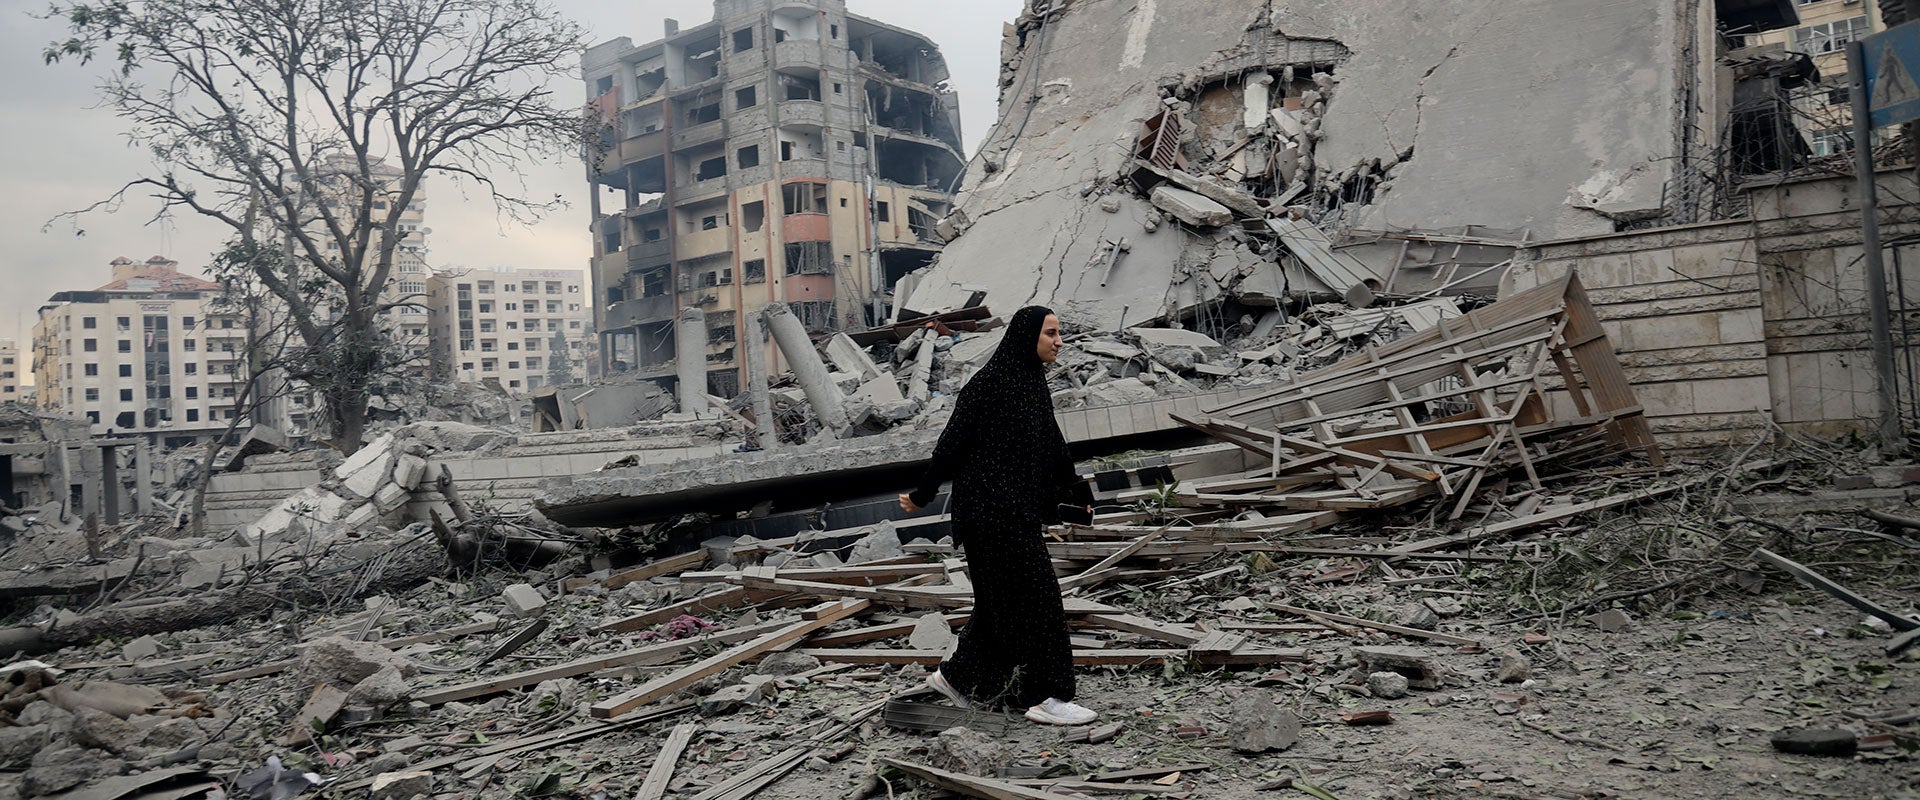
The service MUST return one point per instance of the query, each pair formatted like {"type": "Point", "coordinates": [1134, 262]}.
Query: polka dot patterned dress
{"type": "Point", "coordinates": [1011, 473]}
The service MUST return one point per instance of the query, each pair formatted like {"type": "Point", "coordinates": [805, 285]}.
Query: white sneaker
{"type": "Point", "coordinates": [940, 684]}
{"type": "Point", "coordinates": [1052, 711]}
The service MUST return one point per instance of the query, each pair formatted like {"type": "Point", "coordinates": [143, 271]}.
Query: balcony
{"type": "Point", "coordinates": [801, 53]}
{"type": "Point", "coordinates": [649, 254]}
{"type": "Point", "coordinates": [803, 114]}
{"type": "Point", "coordinates": [696, 135]}
{"type": "Point", "coordinates": [645, 310]}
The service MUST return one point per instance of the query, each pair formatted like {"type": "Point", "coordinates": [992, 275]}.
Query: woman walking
{"type": "Point", "coordinates": [1012, 474]}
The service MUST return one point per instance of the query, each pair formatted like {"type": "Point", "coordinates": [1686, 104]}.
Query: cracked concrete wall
{"type": "Point", "coordinates": [1548, 116]}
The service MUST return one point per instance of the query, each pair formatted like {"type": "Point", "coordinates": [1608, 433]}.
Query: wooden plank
{"type": "Point", "coordinates": [911, 598]}
{"type": "Point", "coordinates": [655, 786]}
{"type": "Point", "coordinates": [862, 575]}
{"type": "Point", "coordinates": [659, 653]}
{"type": "Point", "coordinates": [1500, 529]}
{"type": "Point", "coordinates": [969, 785]}
{"type": "Point", "coordinates": [1842, 593]}
{"type": "Point", "coordinates": [1152, 629]}
{"type": "Point", "coordinates": [647, 571]}
{"type": "Point", "coordinates": [878, 632]}
{"type": "Point", "coordinates": [730, 598]}
{"type": "Point", "coordinates": [821, 616]}
{"type": "Point", "coordinates": [1093, 574]}
{"type": "Point", "coordinates": [1326, 616]}
{"type": "Point", "coordinates": [1085, 657]}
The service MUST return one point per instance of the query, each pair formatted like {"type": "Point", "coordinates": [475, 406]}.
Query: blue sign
{"type": "Point", "coordinates": [1893, 88]}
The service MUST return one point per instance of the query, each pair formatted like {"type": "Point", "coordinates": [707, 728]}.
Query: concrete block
{"type": "Point", "coordinates": [880, 391]}
{"type": "Point", "coordinates": [523, 600]}
{"type": "Point", "coordinates": [361, 517]}
{"type": "Point", "coordinates": [848, 357]}
{"type": "Point", "coordinates": [408, 471]}
{"type": "Point", "coordinates": [1190, 207]}
{"type": "Point", "coordinates": [140, 649]}
{"type": "Point", "coordinates": [364, 471]}
{"type": "Point", "coordinates": [391, 498]}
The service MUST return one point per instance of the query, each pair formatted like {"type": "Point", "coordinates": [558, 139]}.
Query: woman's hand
{"type": "Point", "coordinates": [907, 504]}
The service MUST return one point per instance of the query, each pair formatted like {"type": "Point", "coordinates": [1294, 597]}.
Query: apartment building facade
{"type": "Point", "coordinates": [509, 325]}
{"type": "Point", "coordinates": [1823, 110]}
{"type": "Point", "coordinates": [11, 371]}
{"type": "Point", "coordinates": [784, 151]}
{"type": "Point", "coordinates": [146, 354]}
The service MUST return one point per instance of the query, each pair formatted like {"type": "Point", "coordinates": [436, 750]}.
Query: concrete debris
{"type": "Point", "coordinates": [1256, 723]}
{"type": "Point", "coordinates": [1387, 685]}
{"type": "Point", "coordinates": [523, 600]}
{"type": "Point", "coordinates": [968, 752]}
{"type": "Point", "coordinates": [1515, 667]}
{"type": "Point", "coordinates": [336, 661]}
{"type": "Point", "coordinates": [932, 632]}
{"type": "Point", "coordinates": [1191, 208]}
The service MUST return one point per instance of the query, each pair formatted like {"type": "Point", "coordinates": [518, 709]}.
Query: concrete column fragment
{"type": "Point", "coordinates": [811, 373]}
{"type": "Point", "coordinates": [690, 359]}
{"type": "Point", "coordinates": [142, 478]}
{"type": "Point", "coordinates": [1190, 207]}
{"type": "Point", "coordinates": [757, 370]}
{"type": "Point", "coordinates": [921, 389]}
{"type": "Point", "coordinates": [848, 357]}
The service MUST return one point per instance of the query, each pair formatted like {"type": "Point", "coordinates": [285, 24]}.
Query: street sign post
{"type": "Point", "coordinates": [1885, 91]}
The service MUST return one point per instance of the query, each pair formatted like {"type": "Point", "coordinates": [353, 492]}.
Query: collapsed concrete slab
{"type": "Point", "coordinates": [1378, 121]}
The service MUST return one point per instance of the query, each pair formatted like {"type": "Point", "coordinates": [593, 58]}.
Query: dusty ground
{"type": "Point", "coordinates": [1681, 704]}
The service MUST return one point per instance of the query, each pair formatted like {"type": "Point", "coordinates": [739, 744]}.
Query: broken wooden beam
{"type": "Point", "coordinates": [812, 619]}
{"type": "Point", "coordinates": [655, 786]}
{"type": "Point", "coordinates": [659, 653]}
{"type": "Point", "coordinates": [1845, 595]}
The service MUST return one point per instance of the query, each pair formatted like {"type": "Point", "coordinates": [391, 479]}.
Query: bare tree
{"type": "Point", "coordinates": [262, 359]}
{"type": "Point", "coordinates": [327, 116]}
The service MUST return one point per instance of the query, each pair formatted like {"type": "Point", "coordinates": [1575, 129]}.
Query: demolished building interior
{"type": "Point", "coordinates": [1418, 474]}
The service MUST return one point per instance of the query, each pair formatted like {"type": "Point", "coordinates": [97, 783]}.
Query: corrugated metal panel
{"type": "Point", "coordinates": [1315, 251]}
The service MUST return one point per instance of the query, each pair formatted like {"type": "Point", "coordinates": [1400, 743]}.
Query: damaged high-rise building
{"type": "Point", "coordinates": [783, 152]}
{"type": "Point", "coordinates": [1152, 161]}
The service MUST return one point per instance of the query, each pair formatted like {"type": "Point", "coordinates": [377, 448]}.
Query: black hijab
{"type": "Point", "coordinates": [1002, 447]}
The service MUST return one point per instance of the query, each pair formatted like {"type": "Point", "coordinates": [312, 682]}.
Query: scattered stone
{"type": "Point", "coordinates": [387, 762]}
{"type": "Point", "coordinates": [1420, 669]}
{"type": "Point", "coordinates": [882, 542]}
{"type": "Point", "coordinates": [523, 600]}
{"type": "Point", "coordinates": [405, 745]}
{"type": "Point", "coordinates": [1387, 685]}
{"type": "Point", "coordinates": [968, 752]}
{"type": "Point", "coordinates": [1816, 742]}
{"type": "Point", "coordinates": [402, 785]}
{"type": "Point", "coordinates": [57, 769]}
{"type": "Point", "coordinates": [1256, 723]}
{"type": "Point", "coordinates": [381, 689]}
{"type": "Point", "coordinates": [337, 661]}
{"type": "Point", "coordinates": [140, 649]}
{"type": "Point", "coordinates": [94, 728]}
{"type": "Point", "coordinates": [19, 744]}
{"type": "Point", "coordinates": [788, 664]}
{"type": "Point", "coordinates": [731, 697]}
{"type": "Point", "coordinates": [1612, 620]}
{"type": "Point", "coordinates": [1514, 667]}
{"type": "Point", "coordinates": [173, 735]}
{"type": "Point", "coordinates": [931, 632]}
{"type": "Point", "coordinates": [1418, 615]}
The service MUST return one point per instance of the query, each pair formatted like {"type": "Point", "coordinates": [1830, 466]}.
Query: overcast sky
{"type": "Point", "coordinates": [61, 152]}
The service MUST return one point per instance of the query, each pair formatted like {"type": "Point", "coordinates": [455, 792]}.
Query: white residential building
{"type": "Point", "coordinates": [503, 324]}
{"type": "Point", "coordinates": [141, 355]}
{"type": "Point", "coordinates": [10, 371]}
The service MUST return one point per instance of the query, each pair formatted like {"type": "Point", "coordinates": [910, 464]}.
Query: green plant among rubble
{"type": "Point", "coordinates": [1156, 503]}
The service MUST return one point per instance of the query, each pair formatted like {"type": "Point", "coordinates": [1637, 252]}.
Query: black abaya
{"type": "Point", "coordinates": [1011, 472]}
